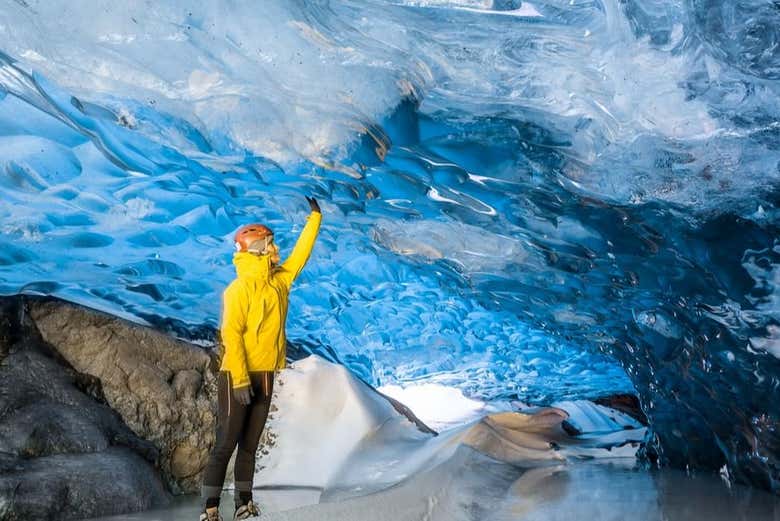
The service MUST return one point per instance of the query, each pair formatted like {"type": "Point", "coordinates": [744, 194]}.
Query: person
{"type": "Point", "coordinates": [254, 310]}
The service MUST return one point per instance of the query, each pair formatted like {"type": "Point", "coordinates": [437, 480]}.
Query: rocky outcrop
{"type": "Point", "coordinates": [98, 416]}
{"type": "Point", "coordinates": [75, 486]}
{"type": "Point", "coordinates": [63, 455]}
{"type": "Point", "coordinates": [163, 388]}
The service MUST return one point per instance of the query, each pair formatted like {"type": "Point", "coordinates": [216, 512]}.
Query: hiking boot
{"type": "Point", "coordinates": [211, 514]}
{"type": "Point", "coordinates": [246, 511]}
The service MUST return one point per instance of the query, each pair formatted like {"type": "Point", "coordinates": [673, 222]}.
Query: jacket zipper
{"type": "Point", "coordinates": [276, 345]}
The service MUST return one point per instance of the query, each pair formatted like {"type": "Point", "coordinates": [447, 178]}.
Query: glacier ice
{"type": "Point", "coordinates": [538, 201]}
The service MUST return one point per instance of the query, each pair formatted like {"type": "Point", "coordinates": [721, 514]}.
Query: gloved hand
{"type": "Point", "coordinates": [243, 395]}
{"type": "Point", "coordinates": [313, 204]}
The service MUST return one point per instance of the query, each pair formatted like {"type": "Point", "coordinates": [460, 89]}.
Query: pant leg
{"type": "Point", "coordinates": [231, 416]}
{"type": "Point", "coordinates": [262, 383]}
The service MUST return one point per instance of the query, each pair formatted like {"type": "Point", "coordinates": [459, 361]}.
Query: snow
{"type": "Point", "coordinates": [333, 432]}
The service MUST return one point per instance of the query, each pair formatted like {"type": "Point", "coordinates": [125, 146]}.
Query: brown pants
{"type": "Point", "coordinates": [239, 425]}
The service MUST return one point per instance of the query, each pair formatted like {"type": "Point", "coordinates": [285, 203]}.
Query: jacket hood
{"type": "Point", "coordinates": [252, 266]}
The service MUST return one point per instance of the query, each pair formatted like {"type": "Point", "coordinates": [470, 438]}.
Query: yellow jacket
{"type": "Point", "coordinates": [254, 308]}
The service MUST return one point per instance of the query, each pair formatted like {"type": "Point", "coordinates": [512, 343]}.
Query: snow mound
{"type": "Point", "coordinates": [332, 432]}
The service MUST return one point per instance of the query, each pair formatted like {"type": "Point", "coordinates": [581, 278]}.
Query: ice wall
{"type": "Point", "coordinates": [535, 200]}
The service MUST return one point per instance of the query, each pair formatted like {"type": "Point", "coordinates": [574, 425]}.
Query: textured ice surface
{"type": "Point", "coordinates": [540, 201]}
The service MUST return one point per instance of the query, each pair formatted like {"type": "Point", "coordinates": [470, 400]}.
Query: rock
{"type": "Point", "coordinates": [160, 386]}
{"type": "Point", "coordinates": [63, 455]}
{"type": "Point", "coordinates": [9, 308]}
{"type": "Point", "coordinates": [72, 486]}
{"type": "Point", "coordinates": [186, 384]}
{"type": "Point", "coordinates": [46, 428]}
{"type": "Point", "coordinates": [30, 381]}
{"type": "Point", "coordinates": [187, 460]}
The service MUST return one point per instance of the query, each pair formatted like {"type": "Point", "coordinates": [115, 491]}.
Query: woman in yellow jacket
{"type": "Point", "coordinates": [254, 311]}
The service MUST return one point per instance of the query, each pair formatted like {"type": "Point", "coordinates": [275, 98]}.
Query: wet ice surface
{"type": "Point", "coordinates": [362, 460]}
{"type": "Point", "coordinates": [597, 491]}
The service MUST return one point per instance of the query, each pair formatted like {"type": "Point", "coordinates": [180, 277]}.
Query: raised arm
{"type": "Point", "coordinates": [234, 311]}
{"type": "Point", "coordinates": [294, 264]}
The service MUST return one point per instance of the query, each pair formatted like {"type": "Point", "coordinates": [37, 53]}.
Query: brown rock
{"type": "Point", "coordinates": [186, 384]}
{"type": "Point", "coordinates": [162, 387]}
{"type": "Point", "coordinates": [187, 460]}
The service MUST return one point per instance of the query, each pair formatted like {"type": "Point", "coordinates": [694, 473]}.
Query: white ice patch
{"type": "Point", "coordinates": [324, 415]}
{"type": "Point", "coordinates": [472, 247]}
{"type": "Point", "coordinates": [769, 343]}
{"type": "Point", "coordinates": [766, 276]}
{"type": "Point", "coordinates": [589, 417]}
{"type": "Point", "coordinates": [31, 55]}
{"type": "Point", "coordinates": [330, 431]}
{"type": "Point", "coordinates": [439, 406]}
{"type": "Point", "coordinates": [526, 10]}
{"type": "Point", "coordinates": [508, 8]}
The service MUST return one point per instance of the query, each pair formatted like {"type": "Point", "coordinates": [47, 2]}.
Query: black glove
{"type": "Point", "coordinates": [243, 395]}
{"type": "Point", "coordinates": [313, 204]}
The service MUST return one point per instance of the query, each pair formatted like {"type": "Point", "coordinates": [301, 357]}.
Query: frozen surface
{"type": "Point", "coordinates": [339, 451]}
{"type": "Point", "coordinates": [532, 201]}
{"type": "Point", "coordinates": [586, 490]}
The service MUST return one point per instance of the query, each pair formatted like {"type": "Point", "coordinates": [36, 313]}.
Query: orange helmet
{"type": "Point", "coordinates": [250, 233]}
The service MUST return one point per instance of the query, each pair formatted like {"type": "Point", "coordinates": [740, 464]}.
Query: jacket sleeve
{"type": "Point", "coordinates": [234, 314]}
{"type": "Point", "coordinates": [294, 264]}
